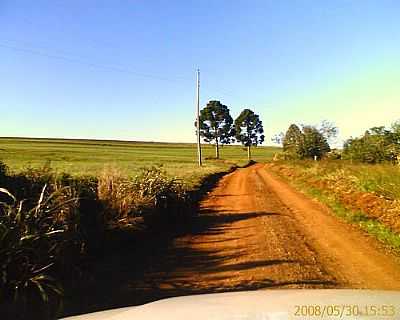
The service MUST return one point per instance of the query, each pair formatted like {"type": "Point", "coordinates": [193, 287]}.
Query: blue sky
{"type": "Point", "coordinates": [126, 69]}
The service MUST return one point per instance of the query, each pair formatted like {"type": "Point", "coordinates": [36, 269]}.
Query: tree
{"type": "Point", "coordinates": [328, 130]}
{"type": "Point", "coordinates": [309, 141]}
{"type": "Point", "coordinates": [376, 145]}
{"type": "Point", "coordinates": [315, 145]}
{"type": "Point", "coordinates": [293, 142]}
{"type": "Point", "coordinates": [278, 138]}
{"type": "Point", "coordinates": [249, 130]}
{"type": "Point", "coordinates": [216, 124]}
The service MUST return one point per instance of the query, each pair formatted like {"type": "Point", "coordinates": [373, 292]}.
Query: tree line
{"type": "Point", "coordinates": [307, 141]}
{"type": "Point", "coordinates": [217, 126]}
{"type": "Point", "coordinates": [377, 144]}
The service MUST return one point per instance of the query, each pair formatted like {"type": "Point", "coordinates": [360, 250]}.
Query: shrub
{"type": "Point", "coordinates": [116, 194]}
{"type": "Point", "coordinates": [151, 195]}
{"type": "Point", "coordinates": [3, 169]}
{"type": "Point", "coordinates": [45, 237]}
{"type": "Point", "coordinates": [334, 154]}
{"type": "Point", "coordinates": [159, 198]}
{"type": "Point", "coordinates": [378, 144]}
{"type": "Point", "coordinates": [28, 184]}
{"type": "Point", "coordinates": [33, 241]}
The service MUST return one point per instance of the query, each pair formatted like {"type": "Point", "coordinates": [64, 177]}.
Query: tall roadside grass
{"type": "Point", "coordinates": [368, 195]}
{"type": "Point", "coordinates": [151, 195]}
{"type": "Point", "coordinates": [53, 225]}
{"type": "Point", "coordinates": [35, 241]}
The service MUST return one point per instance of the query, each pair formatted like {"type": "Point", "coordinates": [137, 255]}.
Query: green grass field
{"type": "Point", "coordinates": [90, 157]}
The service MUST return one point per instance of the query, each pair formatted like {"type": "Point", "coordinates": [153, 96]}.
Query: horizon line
{"type": "Point", "coordinates": [122, 140]}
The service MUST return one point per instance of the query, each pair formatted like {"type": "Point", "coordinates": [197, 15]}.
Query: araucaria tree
{"type": "Point", "coordinates": [249, 130]}
{"type": "Point", "coordinates": [216, 124]}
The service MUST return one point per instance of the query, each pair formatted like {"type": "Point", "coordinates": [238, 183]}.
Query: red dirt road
{"type": "Point", "coordinates": [265, 234]}
{"type": "Point", "coordinates": [253, 231]}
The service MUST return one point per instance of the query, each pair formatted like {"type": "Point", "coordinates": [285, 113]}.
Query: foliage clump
{"type": "Point", "coordinates": [307, 142]}
{"type": "Point", "coordinates": [3, 169]}
{"type": "Point", "coordinates": [52, 224]}
{"type": "Point", "coordinates": [35, 240]}
{"type": "Point", "coordinates": [378, 144]}
{"type": "Point", "coordinates": [151, 195]}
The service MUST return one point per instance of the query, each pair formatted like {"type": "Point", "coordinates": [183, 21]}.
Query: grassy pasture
{"type": "Point", "coordinates": [90, 157]}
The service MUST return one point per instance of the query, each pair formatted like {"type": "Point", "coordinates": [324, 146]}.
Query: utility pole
{"type": "Point", "coordinates": [198, 117]}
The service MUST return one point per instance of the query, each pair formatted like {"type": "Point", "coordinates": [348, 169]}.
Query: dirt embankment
{"type": "Point", "coordinates": [343, 186]}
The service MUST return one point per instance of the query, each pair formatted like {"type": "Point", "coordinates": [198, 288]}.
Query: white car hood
{"type": "Point", "coordinates": [257, 305]}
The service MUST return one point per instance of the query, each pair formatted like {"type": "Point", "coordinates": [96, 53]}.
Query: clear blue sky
{"type": "Point", "coordinates": [126, 69]}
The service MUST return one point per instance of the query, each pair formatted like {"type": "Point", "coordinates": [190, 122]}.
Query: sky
{"type": "Point", "coordinates": [126, 69]}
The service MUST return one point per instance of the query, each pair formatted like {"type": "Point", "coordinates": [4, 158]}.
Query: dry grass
{"type": "Point", "coordinates": [146, 194]}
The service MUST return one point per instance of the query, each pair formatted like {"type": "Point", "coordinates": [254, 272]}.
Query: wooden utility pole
{"type": "Point", "coordinates": [198, 117]}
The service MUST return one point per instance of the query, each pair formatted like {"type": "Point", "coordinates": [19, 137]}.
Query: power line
{"type": "Point", "coordinates": [91, 64]}
{"type": "Point", "coordinates": [122, 69]}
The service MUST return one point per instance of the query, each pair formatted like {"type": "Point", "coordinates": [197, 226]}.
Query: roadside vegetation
{"type": "Point", "coordinates": [361, 183]}
{"type": "Point", "coordinates": [53, 225]}
{"type": "Point", "coordinates": [306, 141]}
{"type": "Point", "coordinates": [376, 145]}
{"type": "Point", "coordinates": [64, 204]}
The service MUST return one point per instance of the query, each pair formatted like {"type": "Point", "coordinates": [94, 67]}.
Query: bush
{"type": "Point", "coordinates": [28, 184]}
{"type": "Point", "coordinates": [159, 198]}
{"type": "Point", "coordinates": [334, 154]}
{"type": "Point", "coordinates": [151, 195]}
{"type": "Point", "coordinates": [33, 242]}
{"type": "Point", "coordinates": [50, 223]}
{"type": "Point", "coordinates": [3, 169]}
{"type": "Point", "coordinates": [378, 144]}
{"type": "Point", "coordinates": [115, 192]}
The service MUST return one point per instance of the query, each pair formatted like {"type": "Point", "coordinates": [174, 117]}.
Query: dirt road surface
{"type": "Point", "coordinates": [255, 232]}
{"type": "Point", "coordinates": [266, 235]}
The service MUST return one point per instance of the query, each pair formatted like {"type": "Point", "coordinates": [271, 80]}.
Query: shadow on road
{"type": "Point", "coordinates": [164, 265]}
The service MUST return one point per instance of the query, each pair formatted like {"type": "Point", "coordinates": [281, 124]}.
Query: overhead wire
{"type": "Point", "coordinates": [81, 61]}
{"type": "Point", "coordinates": [72, 58]}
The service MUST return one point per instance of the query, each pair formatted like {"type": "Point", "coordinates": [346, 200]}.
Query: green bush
{"type": "Point", "coordinates": [50, 224]}
{"type": "Point", "coordinates": [3, 169]}
{"type": "Point", "coordinates": [33, 241]}
{"type": "Point", "coordinates": [378, 144]}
